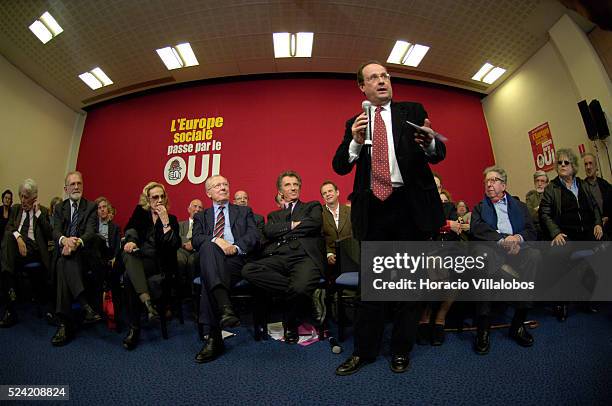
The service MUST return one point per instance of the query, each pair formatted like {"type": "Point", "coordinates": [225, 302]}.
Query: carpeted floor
{"type": "Point", "coordinates": [571, 363]}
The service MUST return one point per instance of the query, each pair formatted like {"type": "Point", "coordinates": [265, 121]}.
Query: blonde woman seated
{"type": "Point", "coordinates": [151, 241]}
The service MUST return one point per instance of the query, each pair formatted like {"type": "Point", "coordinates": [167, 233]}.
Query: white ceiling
{"type": "Point", "coordinates": [233, 37]}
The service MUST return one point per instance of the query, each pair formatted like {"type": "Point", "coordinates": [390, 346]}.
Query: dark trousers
{"type": "Point", "coordinates": [188, 268]}
{"type": "Point", "coordinates": [388, 221]}
{"type": "Point", "coordinates": [137, 271]}
{"type": "Point", "coordinates": [12, 260]}
{"type": "Point", "coordinates": [216, 270]}
{"type": "Point", "coordinates": [69, 277]}
{"type": "Point", "coordinates": [288, 271]}
{"type": "Point", "coordinates": [525, 264]}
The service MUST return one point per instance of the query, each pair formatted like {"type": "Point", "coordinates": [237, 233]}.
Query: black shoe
{"type": "Point", "coordinates": [90, 315]}
{"type": "Point", "coordinates": [352, 365]}
{"type": "Point", "coordinates": [437, 335]}
{"type": "Point", "coordinates": [9, 319]}
{"type": "Point", "coordinates": [51, 319]}
{"type": "Point", "coordinates": [292, 336]}
{"type": "Point", "coordinates": [423, 334]}
{"type": "Point", "coordinates": [212, 350]}
{"type": "Point", "coordinates": [228, 317]}
{"type": "Point", "coordinates": [561, 312]}
{"type": "Point", "coordinates": [521, 336]}
{"type": "Point", "coordinates": [131, 340]}
{"type": "Point", "coordinates": [152, 314]}
{"type": "Point", "coordinates": [62, 336]}
{"type": "Point", "coordinates": [482, 343]}
{"type": "Point", "coordinates": [399, 363]}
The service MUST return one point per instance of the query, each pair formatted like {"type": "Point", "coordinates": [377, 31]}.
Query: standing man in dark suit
{"type": "Point", "coordinates": [25, 241]}
{"type": "Point", "coordinates": [394, 199]}
{"type": "Point", "coordinates": [292, 261]}
{"type": "Point", "coordinates": [336, 222]}
{"type": "Point", "coordinates": [224, 235]}
{"type": "Point", "coordinates": [74, 232]}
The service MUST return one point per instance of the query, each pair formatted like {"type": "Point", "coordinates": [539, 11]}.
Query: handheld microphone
{"type": "Point", "coordinates": [335, 346]}
{"type": "Point", "coordinates": [366, 106]}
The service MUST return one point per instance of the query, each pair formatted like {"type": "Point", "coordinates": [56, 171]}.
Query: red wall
{"type": "Point", "coordinates": [269, 125]}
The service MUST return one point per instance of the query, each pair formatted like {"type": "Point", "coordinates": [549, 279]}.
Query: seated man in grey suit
{"type": "Point", "coordinates": [187, 256]}
{"type": "Point", "coordinates": [241, 198]}
{"type": "Point", "coordinates": [25, 241]}
{"type": "Point", "coordinates": [292, 261]}
{"type": "Point", "coordinates": [74, 231]}
{"type": "Point", "coordinates": [224, 235]}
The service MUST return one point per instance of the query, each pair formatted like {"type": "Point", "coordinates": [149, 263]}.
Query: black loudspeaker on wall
{"type": "Point", "coordinates": [587, 119]}
{"type": "Point", "coordinates": [599, 119]}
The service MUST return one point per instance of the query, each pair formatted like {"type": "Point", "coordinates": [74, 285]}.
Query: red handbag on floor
{"type": "Point", "coordinates": [109, 309]}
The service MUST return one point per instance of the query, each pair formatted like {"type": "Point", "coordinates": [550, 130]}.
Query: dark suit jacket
{"type": "Point", "coordinates": [482, 231]}
{"type": "Point", "coordinates": [331, 233]}
{"type": "Point", "coordinates": [88, 220]}
{"type": "Point", "coordinates": [164, 246]}
{"type": "Point", "coordinates": [42, 230]}
{"type": "Point", "coordinates": [423, 198]}
{"type": "Point", "coordinates": [308, 233]}
{"type": "Point", "coordinates": [242, 224]}
{"type": "Point", "coordinates": [114, 239]}
{"type": "Point", "coordinates": [260, 222]}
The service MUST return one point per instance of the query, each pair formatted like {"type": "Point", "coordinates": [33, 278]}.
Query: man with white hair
{"type": "Point", "coordinates": [25, 241]}
{"type": "Point", "coordinates": [74, 232]}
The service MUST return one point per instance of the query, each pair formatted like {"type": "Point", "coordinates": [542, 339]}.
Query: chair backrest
{"type": "Point", "coordinates": [348, 255]}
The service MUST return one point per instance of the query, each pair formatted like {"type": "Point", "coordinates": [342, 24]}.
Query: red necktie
{"type": "Point", "coordinates": [219, 224]}
{"type": "Point", "coordinates": [381, 174]}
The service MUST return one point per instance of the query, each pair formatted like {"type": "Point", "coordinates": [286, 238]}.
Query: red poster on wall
{"type": "Point", "coordinates": [543, 147]}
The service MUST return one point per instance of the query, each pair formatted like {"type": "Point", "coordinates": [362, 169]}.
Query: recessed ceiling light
{"type": "Point", "coordinates": [488, 73]}
{"type": "Point", "coordinates": [101, 76]}
{"type": "Point", "coordinates": [405, 53]}
{"type": "Point", "coordinates": [493, 75]}
{"type": "Point", "coordinates": [179, 56]}
{"type": "Point", "coordinates": [482, 71]}
{"type": "Point", "coordinates": [45, 28]}
{"type": "Point", "coordinates": [95, 78]}
{"type": "Point", "coordinates": [292, 45]}
{"type": "Point", "coordinates": [90, 80]}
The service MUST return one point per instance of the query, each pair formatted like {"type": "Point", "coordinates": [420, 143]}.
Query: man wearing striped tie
{"type": "Point", "coordinates": [394, 199]}
{"type": "Point", "coordinates": [223, 235]}
{"type": "Point", "coordinates": [74, 230]}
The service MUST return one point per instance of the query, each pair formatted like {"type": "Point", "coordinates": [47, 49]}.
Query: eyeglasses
{"type": "Point", "coordinates": [219, 186]}
{"type": "Point", "coordinates": [493, 180]}
{"type": "Point", "coordinates": [561, 163]}
{"type": "Point", "coordinates": [158, 197]}
{"type": "Point", "coordinates": [375, 77]}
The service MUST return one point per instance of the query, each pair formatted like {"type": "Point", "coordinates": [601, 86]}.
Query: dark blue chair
{"type": "Point", "coordinates": [348, 262]}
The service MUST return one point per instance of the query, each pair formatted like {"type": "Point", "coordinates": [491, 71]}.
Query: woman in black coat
{"type": "Point", "coordinates": [149, 251]}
